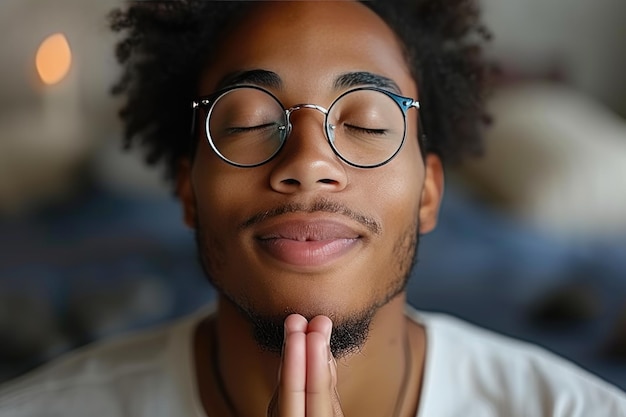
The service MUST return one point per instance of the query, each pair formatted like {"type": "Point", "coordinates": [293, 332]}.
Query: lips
{"type": "Point", "coordinates": [307, 243]}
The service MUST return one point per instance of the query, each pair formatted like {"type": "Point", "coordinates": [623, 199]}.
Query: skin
{"type": "Point", "coordinates": [217, 198]}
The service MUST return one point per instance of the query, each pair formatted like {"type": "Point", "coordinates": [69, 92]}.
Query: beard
{"type": "Point", "coordinates": [349, 332]}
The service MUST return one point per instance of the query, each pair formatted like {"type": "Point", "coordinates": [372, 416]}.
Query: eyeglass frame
{"type": "Point", "coordinates": [403, 103]}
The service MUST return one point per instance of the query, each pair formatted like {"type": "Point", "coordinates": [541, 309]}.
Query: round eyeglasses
{"type": "Point", "coordinates": [247, 125]}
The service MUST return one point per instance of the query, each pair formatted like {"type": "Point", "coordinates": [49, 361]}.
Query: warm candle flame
{"type": "Point", "coordinates": [54, 59]}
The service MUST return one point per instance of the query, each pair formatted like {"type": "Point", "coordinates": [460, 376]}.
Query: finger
{"type": "Point", "coordinates": [291, 390]}
{"type": "Point", "coordinates": [321, 396]}
{"type": "Point", "coordinates": [321, 324]}
{"type": "Point", "coordinates": [324, 325]}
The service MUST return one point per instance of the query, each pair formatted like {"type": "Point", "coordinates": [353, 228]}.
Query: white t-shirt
{"type": "Point", "coordinates": [468, 372]}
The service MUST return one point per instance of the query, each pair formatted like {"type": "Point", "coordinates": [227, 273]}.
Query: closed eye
{"type": "Point", "coordinates": [366, 130]}
{"type": "Point", "coordinates": [245, 129]}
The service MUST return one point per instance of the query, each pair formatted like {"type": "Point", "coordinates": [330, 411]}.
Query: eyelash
{"type": "Point", "coordinates": [235, 130]}
{"type": "Point", "coordinates": [378, 132]}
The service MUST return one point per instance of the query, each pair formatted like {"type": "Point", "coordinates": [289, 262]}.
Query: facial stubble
{"type": "Point", "coordinates": [349, 333]}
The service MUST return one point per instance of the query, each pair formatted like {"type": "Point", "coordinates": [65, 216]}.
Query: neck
{"type": "Point", "coordinates": [370, 382]}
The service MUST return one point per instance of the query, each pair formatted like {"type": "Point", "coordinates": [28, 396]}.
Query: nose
{"type": "Point", "coordinates": [307, 162]}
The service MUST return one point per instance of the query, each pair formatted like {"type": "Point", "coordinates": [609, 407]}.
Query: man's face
{"type": "Point", "coordinates": [306, 232]}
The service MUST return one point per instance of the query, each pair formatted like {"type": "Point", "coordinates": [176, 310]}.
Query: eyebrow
{"type": "Point", "coordinates": [260, 77]}
{"type": "Point", "coordinates": [270, 79]}
{"type": "Point", "coordinates": [363, 78]}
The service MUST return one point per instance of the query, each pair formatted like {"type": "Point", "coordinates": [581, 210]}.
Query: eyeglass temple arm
{"type": "Point", "coordinates": [195, 105]}
{"type": "Point", "coordinates": [406, 103]}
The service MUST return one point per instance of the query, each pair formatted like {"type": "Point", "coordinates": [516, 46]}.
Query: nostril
{"type": "Point", "coordinates": [291, 181]}
{"type": "Point", "coordinates": [327, 181]}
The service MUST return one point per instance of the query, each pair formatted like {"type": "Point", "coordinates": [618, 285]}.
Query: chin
{"type": "Point", "coordinates": [350, 329]}
{"type": "Point", "coordinates": [350, 326]}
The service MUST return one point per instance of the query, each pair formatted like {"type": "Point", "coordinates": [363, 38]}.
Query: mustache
{"type": "Point", "coordinates": [321, 205]}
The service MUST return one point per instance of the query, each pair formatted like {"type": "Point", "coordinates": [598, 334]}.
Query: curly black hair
{"type": "Point", "coordinates": [166, 44]}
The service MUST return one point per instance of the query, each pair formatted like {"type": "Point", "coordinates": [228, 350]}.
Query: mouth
{"type": "Point", "coordinates": [307, 243]}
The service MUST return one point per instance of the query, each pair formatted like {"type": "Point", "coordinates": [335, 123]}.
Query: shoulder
{"type": "Point", "coordinates": [130, 375]}
{"type": "Point", "coordinates": [504, 377]}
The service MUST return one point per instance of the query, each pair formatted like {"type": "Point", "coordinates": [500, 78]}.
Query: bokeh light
{"type": "Point", "coordinates": [53, 59]}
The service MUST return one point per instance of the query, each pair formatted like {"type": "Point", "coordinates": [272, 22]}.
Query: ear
{"type": "Point", "coordinates": [432, 192]}
{"type": "Point", "coordinates": [185, 193]}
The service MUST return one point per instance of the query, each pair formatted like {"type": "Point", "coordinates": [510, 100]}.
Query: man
{"type": "Point", "coordinates": [308, 182]}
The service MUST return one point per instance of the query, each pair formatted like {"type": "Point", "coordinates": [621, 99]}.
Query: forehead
{"type": "Point", "coordinates": [309, 44]}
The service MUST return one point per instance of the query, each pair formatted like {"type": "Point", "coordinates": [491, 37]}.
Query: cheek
{"type": "Point", "coordinates": [394, 191]}
{"type": "Point", "coordinates": [404, 192]}
{"type": "Point", "coordinates": [223, 195]}
{"type": "Point", "coordinates": [400, 183]}
{"type": "Point", "coordinates": [222, 190]}
{"type": "Point", "coordinates": [400, 205]}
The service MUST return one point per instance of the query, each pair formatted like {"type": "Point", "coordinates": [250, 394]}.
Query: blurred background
{"type": "Point", "coordinates": [531, 241]}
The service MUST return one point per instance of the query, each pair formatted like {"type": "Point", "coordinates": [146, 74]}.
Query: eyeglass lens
{"type": "Point", "coordinates": [247, 126]}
